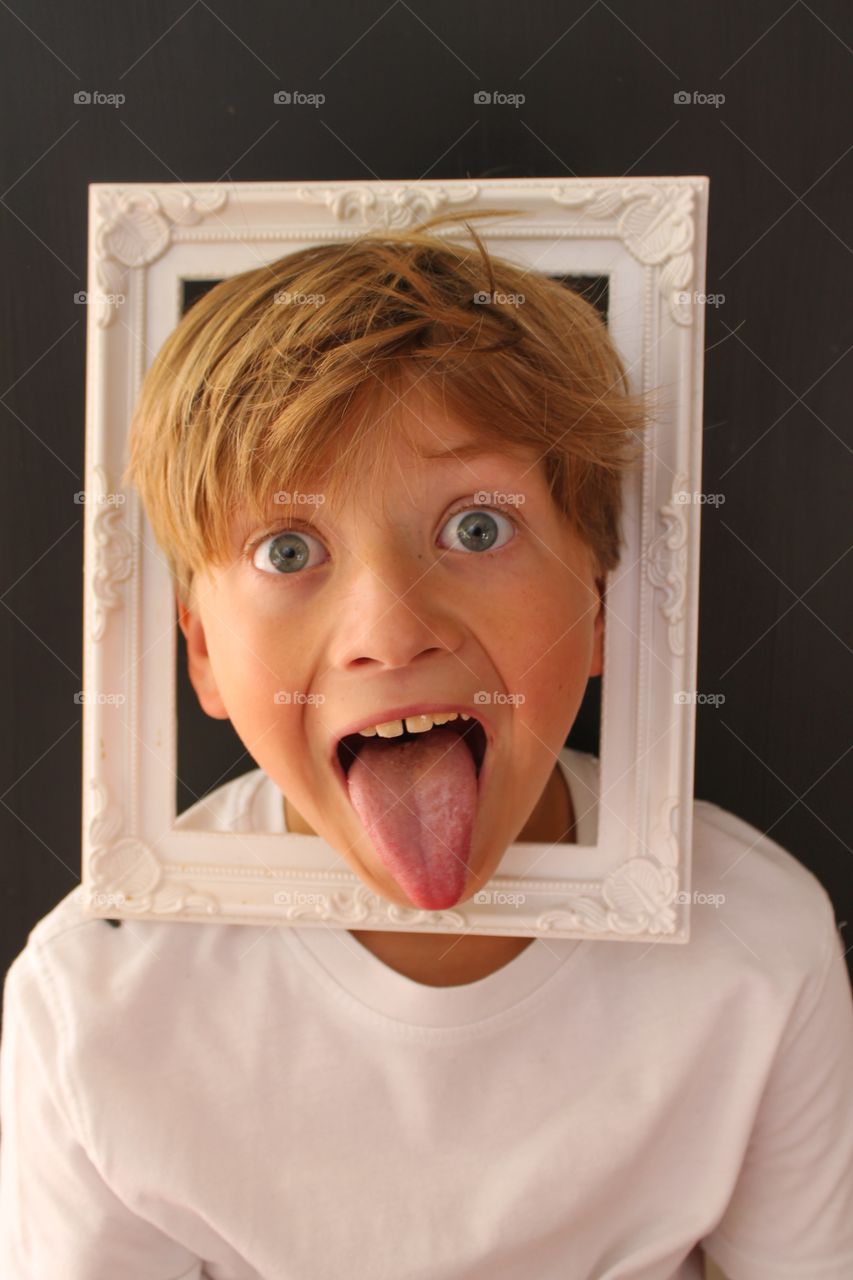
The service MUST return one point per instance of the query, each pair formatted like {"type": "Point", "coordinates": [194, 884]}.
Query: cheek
{"type": "Point", "coordinates": [252, 663]}
{"type": "Point", "coordinates": [545, 653]}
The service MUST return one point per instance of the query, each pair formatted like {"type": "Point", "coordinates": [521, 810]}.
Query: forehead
{"type": "Point", "coordinates": [435, 459]}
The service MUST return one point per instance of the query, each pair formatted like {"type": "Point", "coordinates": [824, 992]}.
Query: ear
{"type": "Point", "coordinates": [198, 662]}
{"type": "Point", "coordinates": [597, 662]}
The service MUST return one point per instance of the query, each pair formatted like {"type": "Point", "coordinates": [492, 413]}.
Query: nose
{"type": "Point", "coordinates": [394, 613]}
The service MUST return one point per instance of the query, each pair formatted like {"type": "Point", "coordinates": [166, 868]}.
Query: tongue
{"type": "Point", "coordinates": [418, 799]}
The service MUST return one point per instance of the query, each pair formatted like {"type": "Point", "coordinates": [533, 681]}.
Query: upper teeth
{"type": "Point", "coordinates": [415, 724]}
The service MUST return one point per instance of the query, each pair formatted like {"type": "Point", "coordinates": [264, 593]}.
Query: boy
{"type": "Point", "coordinates": [230, 1102]}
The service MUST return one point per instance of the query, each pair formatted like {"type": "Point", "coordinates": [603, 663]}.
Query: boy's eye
{"type": "Point", "coordinates": [289, 551]}
{"type": "Point", "coordinates": [285, 552]}
{"type": "Point", "coordinates": [478, 529]}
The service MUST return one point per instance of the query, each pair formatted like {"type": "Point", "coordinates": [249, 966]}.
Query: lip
{"type": "Point", "coordinates": [414, 709]}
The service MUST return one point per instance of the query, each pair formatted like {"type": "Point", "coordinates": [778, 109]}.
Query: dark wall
{"type": "Point", "coordinates": [599, 84]}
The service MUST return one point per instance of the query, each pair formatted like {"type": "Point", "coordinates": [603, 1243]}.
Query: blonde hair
{"type": "Point", "coordinates": [294, 367]}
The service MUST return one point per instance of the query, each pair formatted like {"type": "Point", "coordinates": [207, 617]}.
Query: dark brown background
{"type": "Point", "coordinates": [399, 81]}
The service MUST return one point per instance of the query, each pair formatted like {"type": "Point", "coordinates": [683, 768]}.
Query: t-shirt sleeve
{"type": "Point", "coordinates": [790, 1216]}
{"type": "Point", "coordinates": [58, 1217]}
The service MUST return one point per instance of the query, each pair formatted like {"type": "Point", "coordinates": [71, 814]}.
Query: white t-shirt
{"type": "Point", "coordinates": [250, 1103]}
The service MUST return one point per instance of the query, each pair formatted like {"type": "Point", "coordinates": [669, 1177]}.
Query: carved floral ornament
{"type": "Point", "coordinates": [654, 223]}
{"type": "Point", "coordinates": [125, 871]}
{"type": "Point", "coordinates": [632, 893]}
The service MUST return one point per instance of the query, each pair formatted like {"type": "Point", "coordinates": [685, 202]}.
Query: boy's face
{"type": "Point", "coordinates": [393, 608]}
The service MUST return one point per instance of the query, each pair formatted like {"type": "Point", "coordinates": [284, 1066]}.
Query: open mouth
{"type": "Point", "coordinates": [417, 797]}
{"type": "Point", "coordinates": [471, 731]}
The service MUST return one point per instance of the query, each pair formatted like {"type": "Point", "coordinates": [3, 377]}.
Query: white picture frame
{"type": "Point", "coordinates": [648, 235]}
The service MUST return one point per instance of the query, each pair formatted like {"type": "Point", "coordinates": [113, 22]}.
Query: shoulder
{"type": "Point", "coordinates": [65, 926]}
{"type": "Point", "coordinates": [759, 917]}
{"type": "Point", "coordinates": [80, 971]}
{"type": "Point", "coordinates": [751, 897]}
{"type": "Point", "coordinates": [745, 889]}
{"type": "Point", "coordinates": [66, 930]}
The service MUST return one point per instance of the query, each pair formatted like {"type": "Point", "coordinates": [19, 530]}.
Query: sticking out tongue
{"type": "Point", "coordinates": [417, 799]}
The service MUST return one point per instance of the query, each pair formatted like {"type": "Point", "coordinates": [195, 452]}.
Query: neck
{"type": "Point", "coordinates": [450, 960]}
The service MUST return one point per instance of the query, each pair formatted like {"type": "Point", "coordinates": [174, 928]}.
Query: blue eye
{"type": "Point", "coordinates": [478, 528]}
{"type": "Point", "coordinates": [289, 551]}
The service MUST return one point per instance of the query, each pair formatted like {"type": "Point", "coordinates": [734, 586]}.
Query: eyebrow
{"type": "Point", "coordinates": [469, 450]}
{"type": "Point", "coordinates": [472, 450]}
